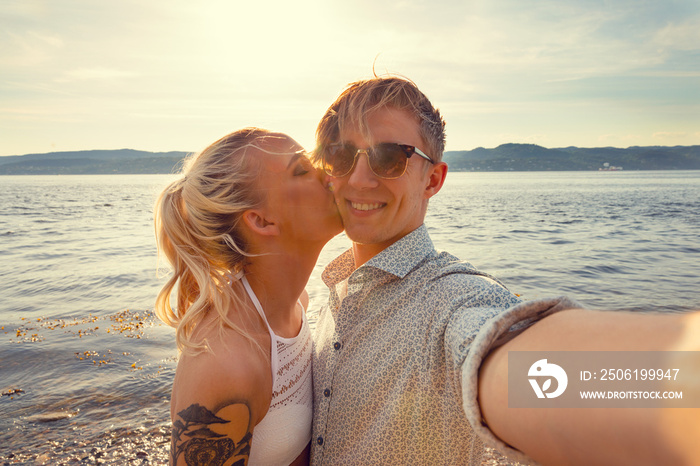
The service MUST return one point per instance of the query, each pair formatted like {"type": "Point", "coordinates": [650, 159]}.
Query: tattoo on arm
{"type": "Point", "coordinates": [205, 438]}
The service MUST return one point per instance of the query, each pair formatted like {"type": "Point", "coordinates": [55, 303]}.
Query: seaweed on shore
{"type": "Point", "coordinates": [128, 323]}
{"type": "Point", "coordinates": [11, 392]}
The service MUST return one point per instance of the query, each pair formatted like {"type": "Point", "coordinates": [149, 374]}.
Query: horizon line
{"type": "Point", "coordinates": [450, 150]}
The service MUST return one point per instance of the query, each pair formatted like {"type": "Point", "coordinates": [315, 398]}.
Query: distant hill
{"type": "Point", "coordinates": [92, 162]}
{"type": "Point", "coordinates": [506, 157]}
{"type": "Point", "coordinates": [531, 157]}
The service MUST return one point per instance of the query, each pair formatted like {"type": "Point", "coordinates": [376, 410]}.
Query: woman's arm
{"type": "Point", "coordinates": [212, 435]}
{"type": "Point", "coordinates": [595, 435]}
{"type": "Point", "coordinates": [218, 399]}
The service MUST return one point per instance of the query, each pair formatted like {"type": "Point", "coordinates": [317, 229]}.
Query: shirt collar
{"type": "Point", "coordinates": [398, 259]}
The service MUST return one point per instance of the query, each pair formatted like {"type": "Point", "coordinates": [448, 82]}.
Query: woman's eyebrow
{"type": "Point", "coordinates": [295, 157]}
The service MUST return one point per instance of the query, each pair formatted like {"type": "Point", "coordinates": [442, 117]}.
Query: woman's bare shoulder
{"type": "Point", "coordinates": [232, 366]}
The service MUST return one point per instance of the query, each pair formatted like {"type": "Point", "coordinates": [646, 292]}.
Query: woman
{"type": "Point", "coordinates": [242, 229]}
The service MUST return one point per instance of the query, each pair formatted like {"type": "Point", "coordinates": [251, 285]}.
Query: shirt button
{"type": "Point", "coordinates": [337, 345]}
{"type": "Point", "coordinates": [319, 440]}
{"type": "Point", "coordinates": [327, 392]}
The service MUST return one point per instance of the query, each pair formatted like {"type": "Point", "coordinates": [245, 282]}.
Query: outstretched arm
{"type": "Point", "coordinates": [596, 435]}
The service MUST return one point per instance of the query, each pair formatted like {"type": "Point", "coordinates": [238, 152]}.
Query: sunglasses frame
{"type": "Point", "coordinates": [407, 149]}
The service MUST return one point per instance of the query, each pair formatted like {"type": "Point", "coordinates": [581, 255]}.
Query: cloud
{"type": "Point", "coordinates": [684, 35]}
{"type": "Point", "coordinates": [29, 48]}
{"type": "Point", "coordinates": [38, 114]}
{"type": "Point", "coordinates": [549, 40]}
{"type": "Point", "coordinates": [670, 135]}
{"type": "Point", "coordinates": [98, 73]}
{"type": "Point", "coordinates": [50, 40]}
{"type": "Point", "coordinates": [618, 140]}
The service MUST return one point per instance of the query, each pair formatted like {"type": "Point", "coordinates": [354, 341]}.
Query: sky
{"type": "Point", "coordinates": [166, 75]}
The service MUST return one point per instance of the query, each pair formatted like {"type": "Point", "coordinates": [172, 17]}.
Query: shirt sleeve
{"type": "Point", "coordinates": [474, 301]}
{"type": "Point", "coordinates": [498, 330]}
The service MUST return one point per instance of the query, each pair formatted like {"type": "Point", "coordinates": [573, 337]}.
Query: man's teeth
{"type": "Point", "coordinates": [365, 206]}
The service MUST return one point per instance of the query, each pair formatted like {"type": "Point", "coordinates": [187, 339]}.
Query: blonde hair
{"type": "Point", "coordinates": [359, 99]}
{"type": "Point", "coordinates": [197, 221]}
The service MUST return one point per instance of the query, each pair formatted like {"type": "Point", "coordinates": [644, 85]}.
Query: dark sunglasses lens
{"type": "Point", "coordinates": [388, 160]}
{"type": "Point", "coordinates": [338, 160]}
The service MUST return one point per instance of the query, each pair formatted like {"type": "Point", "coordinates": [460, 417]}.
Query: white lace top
{"type": "Point", "coordinates": [285, 430]}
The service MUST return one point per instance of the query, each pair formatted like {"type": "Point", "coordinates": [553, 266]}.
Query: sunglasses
{"type": "Point", "coordinates": [387, 160]}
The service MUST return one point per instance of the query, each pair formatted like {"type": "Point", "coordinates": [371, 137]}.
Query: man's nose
{"type": "Point", "coordinates": [362, 176]}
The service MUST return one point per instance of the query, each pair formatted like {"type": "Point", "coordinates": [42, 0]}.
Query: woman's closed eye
{"type": "Point", "coordinates": [303, 167]}
{"type": "Point", "coordinates": [299, 171]}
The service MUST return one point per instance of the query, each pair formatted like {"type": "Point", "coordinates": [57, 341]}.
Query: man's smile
{"type": "Point", "coordinates": [365, 206]}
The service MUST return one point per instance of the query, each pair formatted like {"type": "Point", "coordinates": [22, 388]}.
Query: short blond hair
{"type": "Point", "coordinates": [359, 99]}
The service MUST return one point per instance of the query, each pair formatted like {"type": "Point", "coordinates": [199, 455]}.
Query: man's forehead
{"type": "Point", "coordinates": [380, 123]}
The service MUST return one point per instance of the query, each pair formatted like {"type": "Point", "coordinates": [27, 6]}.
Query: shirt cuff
{"type": "Point", "coordinates": [497, 331]}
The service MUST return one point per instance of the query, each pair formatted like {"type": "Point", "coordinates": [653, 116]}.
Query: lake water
{"type": "Point", "coordinates": [86, 369]}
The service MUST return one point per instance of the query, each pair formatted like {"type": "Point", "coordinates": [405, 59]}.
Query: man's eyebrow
{"type": "Point", "coordinates": [295, 157]}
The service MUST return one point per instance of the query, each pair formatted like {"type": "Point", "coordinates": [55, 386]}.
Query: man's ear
{"type": "Point", "coordinates": [436, 178]}
{"type": "Point", "coordinates": [256, 221]}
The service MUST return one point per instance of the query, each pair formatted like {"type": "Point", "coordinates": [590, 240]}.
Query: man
{"type": "Point", "coordinates": [401, 316]}
{"type": "Point", "coordinates": [395, 358]}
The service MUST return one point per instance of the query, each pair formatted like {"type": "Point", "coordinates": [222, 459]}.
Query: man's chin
{"type": "Point", "coordinates": [362, 236]}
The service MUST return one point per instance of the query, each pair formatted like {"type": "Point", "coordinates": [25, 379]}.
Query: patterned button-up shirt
{"type": "Point", "coordinates": [388, 353]}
